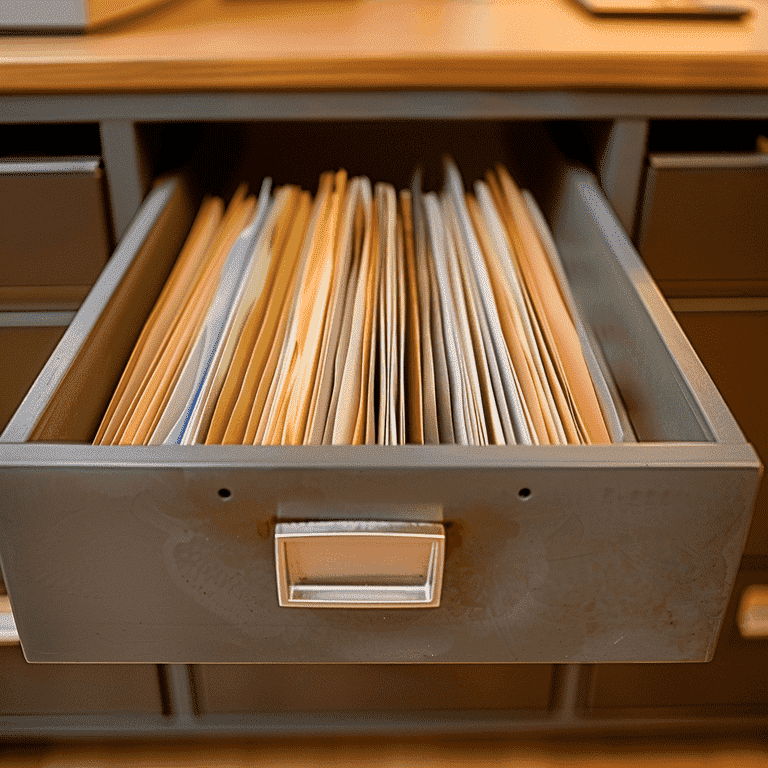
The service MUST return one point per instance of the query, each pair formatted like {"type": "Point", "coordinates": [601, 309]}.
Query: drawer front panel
{"type": "Point", "coordinates": [150, 564]}
{"type": "Point", "coordinates": [706, 223]}
{"type": "Point", "coordinates": [55, 229]}
{"type": "Point", "coordinates": [732, 346]}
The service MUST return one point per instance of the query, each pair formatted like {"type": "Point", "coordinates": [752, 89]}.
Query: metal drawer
{"type": "Point", "coordinates": [55, 238]}
{"type": "Point", "coordinates": [27, 340]}
{"type": "Point", "coordinates": [553, 554]}
{"type": "Point", "coordinates": [728, 334]}
{"type": "Point", "coordinates": [703, 228]}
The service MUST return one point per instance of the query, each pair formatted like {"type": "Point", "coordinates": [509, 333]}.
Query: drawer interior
{"type": "Point", "coordinates": [642, 345]}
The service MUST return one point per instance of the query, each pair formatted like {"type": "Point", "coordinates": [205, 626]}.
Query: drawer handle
{"type": "Point", "coordinates": [359, 564]}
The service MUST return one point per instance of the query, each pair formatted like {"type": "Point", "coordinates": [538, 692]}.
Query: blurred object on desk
{"type": "Point", "coordinates": [35, 16]}
{"type": "Point", "coordinates": [668, 9]}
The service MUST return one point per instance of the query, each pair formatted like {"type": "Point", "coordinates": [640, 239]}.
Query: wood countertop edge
{"type": "Point", "coordinates": [547, 71]}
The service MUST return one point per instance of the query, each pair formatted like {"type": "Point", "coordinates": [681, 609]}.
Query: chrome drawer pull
{"type": "Point", "coordinates": [359, 564]}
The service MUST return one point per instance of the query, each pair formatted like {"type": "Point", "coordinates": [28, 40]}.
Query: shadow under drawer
{"type": "Point", "coordinates": [366, 687]}
{"type": "Point", "coordinates": [737, 675]}
{"type": "Point", "coordinates": [48, 689]}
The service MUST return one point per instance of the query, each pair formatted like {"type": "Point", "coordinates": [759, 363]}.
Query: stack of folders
{"type": "Point", "coordinates": [366, 317]}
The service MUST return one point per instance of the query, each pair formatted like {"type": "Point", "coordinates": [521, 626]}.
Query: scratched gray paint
{"type": "Point", "coordinates": [622, 553]}
{"type": "Point", "coordinates": [609, 564]}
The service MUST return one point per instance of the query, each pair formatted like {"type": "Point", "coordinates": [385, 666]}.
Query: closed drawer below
{"type": "Point", "coordinates": [737, 676]}
{"type": "Point", "coordinates": [377, 688]}
{"type": "Point", "coordinates": [731, 344]}
{"type": "Point", "coordinates": [24, 350]}
{"type": "Point", "coordinates": [48, 689]}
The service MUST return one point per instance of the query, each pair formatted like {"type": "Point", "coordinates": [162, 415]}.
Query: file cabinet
{"type": "Point", "coordinates": [214, 699]}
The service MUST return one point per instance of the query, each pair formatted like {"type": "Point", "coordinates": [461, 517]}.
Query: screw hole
{"type": "Point", "coordinates": [225, 493]}
{"type": "Point", "coordinates": [524, 493]}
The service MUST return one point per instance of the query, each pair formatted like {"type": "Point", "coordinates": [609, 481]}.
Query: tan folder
{"type": "Point", "coordinates": [161, 376]}
{"type": "Point", "coordinates": [415, 399]}
{"type": "Point", "coordinates": [162, 316]}
{"type": "Point", "coordinates": [279, 273]}
{"type": "Point", "coordinates": [557, 324]}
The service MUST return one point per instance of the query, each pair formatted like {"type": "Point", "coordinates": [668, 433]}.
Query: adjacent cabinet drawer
{"type": "Point", "coordinates": [26, 341]}
{"type": "Point", "coordinates": [27, 689]}
{"type": "Point", "coordinates": [737, 676]}
{"type": "Point", "coordinates": [55, 238]}
{"type": "Point", "coordinates": [223, 689]}
{"type": "Point", "coordinates": [703, 219]}
{"type": "Point", "coordinates": [552, 553]}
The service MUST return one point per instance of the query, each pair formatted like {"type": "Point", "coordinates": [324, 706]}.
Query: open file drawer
{"type": "Point", "coordinates": [552, 554]}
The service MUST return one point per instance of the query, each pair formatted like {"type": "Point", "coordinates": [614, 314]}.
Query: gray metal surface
{"type": "Point", "coordinates": [610, 553]}
{"type": "Point", "coordinates": [386, 105]}
{"type": "Point", "coordinates": [35, 319]}
{"type": "Point", "coordinates": [181, 697]}
{"type": "Point", "coordinates": [112, 562]}
{"type": "Point", "coordinates": [699, 160]}
{"type": "Point", "coordinates": [124, 168]}
{"type": "Point", "coordinates": [620, 167]}
{"type": "Point", "coordinates": [87, 165]}
{"type": "Point", "coordinates": [394, 724]}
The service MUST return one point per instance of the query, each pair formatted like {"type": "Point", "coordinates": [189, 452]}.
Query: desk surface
{"type": "Point", "coordinates": [200, 45]}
